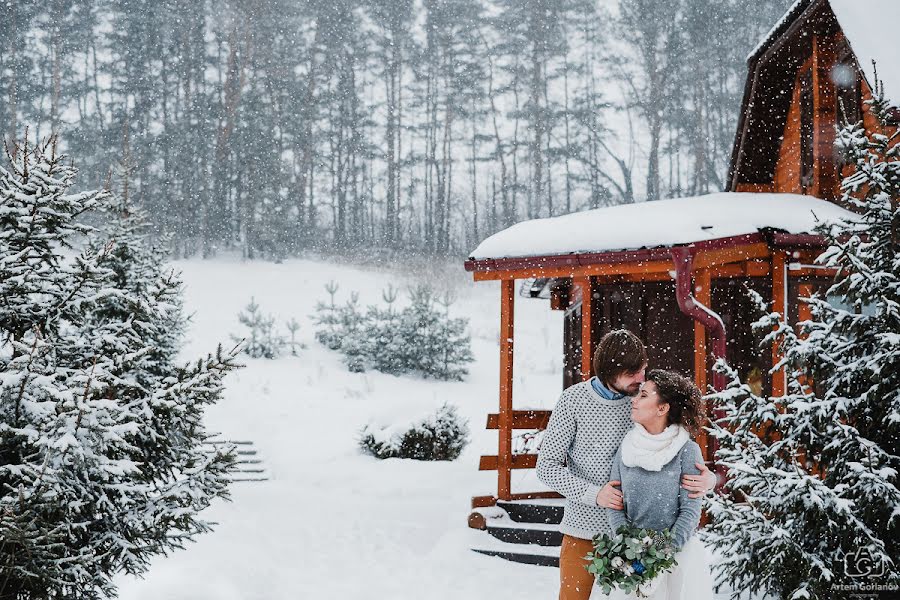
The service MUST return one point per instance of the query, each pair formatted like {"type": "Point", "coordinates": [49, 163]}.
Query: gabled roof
{"type": "Point", "coordinates": [661, 223]}
{"type": "Point", "coordinates": [871, 28]}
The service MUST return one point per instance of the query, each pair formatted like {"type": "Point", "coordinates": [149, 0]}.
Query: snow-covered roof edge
{"type": "Point", "coordinates": [795, 9]}
{"type": "Point", "coordinates": [660, 224]}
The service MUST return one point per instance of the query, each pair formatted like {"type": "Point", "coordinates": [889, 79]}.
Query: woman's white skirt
{"type": "Point", "coordinates": [691, 578]}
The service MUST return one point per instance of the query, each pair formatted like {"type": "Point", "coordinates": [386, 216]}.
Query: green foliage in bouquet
{"type": "Point", "coordinates": [631, 559]}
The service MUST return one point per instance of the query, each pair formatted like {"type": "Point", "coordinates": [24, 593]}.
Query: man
{"type": "Point", "coordinates": [584, 432]}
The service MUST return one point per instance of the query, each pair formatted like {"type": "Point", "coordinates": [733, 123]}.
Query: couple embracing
{"type": "Point", "coordinates": [619, 448]}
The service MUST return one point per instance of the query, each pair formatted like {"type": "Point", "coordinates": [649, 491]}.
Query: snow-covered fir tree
{"type": "Point", "coordinates": [326, 319]}
{"type": "Point", "coordinates": [102, 456]}
{"type": "Point", "coordinates": [813, 509]}
{"type": "Point", "coordinates": [261, 339]}
{"type": "Point", "coordinates": [420, 338]}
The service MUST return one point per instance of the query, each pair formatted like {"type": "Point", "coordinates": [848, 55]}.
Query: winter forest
{"type": "Point", "coordinates": [276, 126]}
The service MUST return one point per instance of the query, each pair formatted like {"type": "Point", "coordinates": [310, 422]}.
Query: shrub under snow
{"type": "Point", "coordinates": [440, 436]}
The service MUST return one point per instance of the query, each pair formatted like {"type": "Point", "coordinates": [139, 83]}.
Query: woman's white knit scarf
{"type": "Point", "coordinates": [652, 451]}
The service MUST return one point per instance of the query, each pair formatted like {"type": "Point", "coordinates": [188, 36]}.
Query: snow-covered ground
{"type": "Point", "coordinates": [332, 522]}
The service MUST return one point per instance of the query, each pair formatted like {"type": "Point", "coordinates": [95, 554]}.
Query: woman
{"type": "Point", "coordinates": [650, 462]}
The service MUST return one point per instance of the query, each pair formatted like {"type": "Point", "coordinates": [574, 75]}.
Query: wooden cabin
{"type": "Point", "coordinates": [675, 271]}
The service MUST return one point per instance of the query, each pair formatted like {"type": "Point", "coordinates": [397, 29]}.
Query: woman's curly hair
{"type": "Point", "coordinates": [686, 405]}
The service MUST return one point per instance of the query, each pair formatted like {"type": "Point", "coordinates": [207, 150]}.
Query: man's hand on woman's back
{"type": "Point", "coordinates": [698, 485]}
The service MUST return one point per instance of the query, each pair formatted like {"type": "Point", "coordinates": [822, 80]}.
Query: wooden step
{"type": "Point", "coordinates": [525, 535]}
{"type": "Point", "coordinates": [531, 554]}
{"type": "Point", "coordinates": [247, 466]}
{"type": "Point", "coordinates": [534, 511]}
{"type": "Point", "coordinates": [519, 557]}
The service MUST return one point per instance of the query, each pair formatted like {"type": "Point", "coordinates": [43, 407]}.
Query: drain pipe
{"type": "Point", "coordinates": [689, 305]}
{"type": "Point", "coordinates": [684, 259]}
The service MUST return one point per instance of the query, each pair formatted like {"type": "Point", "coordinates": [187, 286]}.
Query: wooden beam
{"type": "Point", "coordinates": [703, 294]}
{"type": "Point", "coordinates": [704, 259]}
{"type": "Point", "coordinates": [779, 304]}
{"type": "Point", "coordinates": [804, 290]}
{"type": "Point", "coordinates": [477, 521]}
{"type": "Point", "coordinates": [656, 266]}
{"type": "Point", "coordinates": [522, 419]}
{"type": "Point", "coordinates": [812, 272]}
{"type": "Point", "coordinates": [587, 302]}
{"type": "Point", "coordinates": [485, 501]}
{"type": "Point", "coordinates": [750, 268]}
{"type": "Point", "coordinates": [507, 314]}
{"type": "Point", "coordinates": [517, 461]}
{"type": "Point", "coordinates": [634, 277]}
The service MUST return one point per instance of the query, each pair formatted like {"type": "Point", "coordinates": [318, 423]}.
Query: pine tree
{"type": "Point", "coordinates": [813, 474]}
{"type": "Point", "coordinates": [102, 456]}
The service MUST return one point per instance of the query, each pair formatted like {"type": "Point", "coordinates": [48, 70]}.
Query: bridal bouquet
{"type": "Point", "coordinates": [632, 560]}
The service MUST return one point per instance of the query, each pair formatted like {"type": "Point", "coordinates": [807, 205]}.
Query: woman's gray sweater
{"type": "Point", "coordinates": [655, 499]}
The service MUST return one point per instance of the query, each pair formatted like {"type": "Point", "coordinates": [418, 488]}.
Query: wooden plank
{"type": "Point", "coordinates": [812, 272]}
{"type": "Point", "coordinates": [779, 304]}
{"type": "Point", "coordinates": [483, 501]}
{"type": "Point", "coordinates": [825, 175]}
{"type": "Point", "coordinates": [751, 268]}
{"type": "Point", "coordinates": [486, 501]}
{"type": "Point", "coordinates": [587, 323]}
{"type": "Point", "coordinates": [657, 266]}
{"type": "Point", "coordinates": [804, 290]}
{"type": "Point", "coordinates": [517, 461]}
{"type": "Point", "coordinates": [755, 187]}
{"type": "Point", "coordinates": [708, 258]}
{"type": "Point", "coordinates": [535, 495]}
{"type": "Point", "coordinates": [522, 419]}
{"type": "Point", "coordinates": [507, 314]}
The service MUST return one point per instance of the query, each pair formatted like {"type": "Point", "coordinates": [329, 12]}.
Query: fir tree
{"type": "Point", "coordinates": [813, 474]}
{"type": "Point", "coordinates": [102, 456]}
{"type": "Point", "coordinates": [326, 319]}
{"type": "Point", "coordinates": [293, 327]}
{"type": "Point", "coordinates": [263, 340]}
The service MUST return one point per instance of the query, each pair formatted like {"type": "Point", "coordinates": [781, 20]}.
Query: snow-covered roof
{"type": "Point", "coordinates": [870, 27]}
{"type": "Point", "coordinates": [660, 223]}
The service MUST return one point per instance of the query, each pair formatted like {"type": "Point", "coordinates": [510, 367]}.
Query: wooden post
{"type": "Point", "coordinates": [804, 290]}
{"type": "Point", "coordinates": [703, 294]}
{"type": "Point", "coordinates": [587, 303]}
{"type": "Point", "coordinates": [826, 181]}
{"type": "Point", "coordinates": [504, 454]}
{"type": "Point", "coordinates": [779, 305]}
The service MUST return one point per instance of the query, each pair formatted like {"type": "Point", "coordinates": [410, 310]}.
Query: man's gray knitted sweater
{"type": "Point", "coordinates": [576, 454]}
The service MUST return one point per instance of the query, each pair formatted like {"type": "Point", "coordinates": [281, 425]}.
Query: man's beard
{"type": "Point", "coordinates": [631, 390]}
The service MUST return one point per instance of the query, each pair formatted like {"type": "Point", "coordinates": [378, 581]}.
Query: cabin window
{"type": "Point", "coordinates": [806, 130]}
